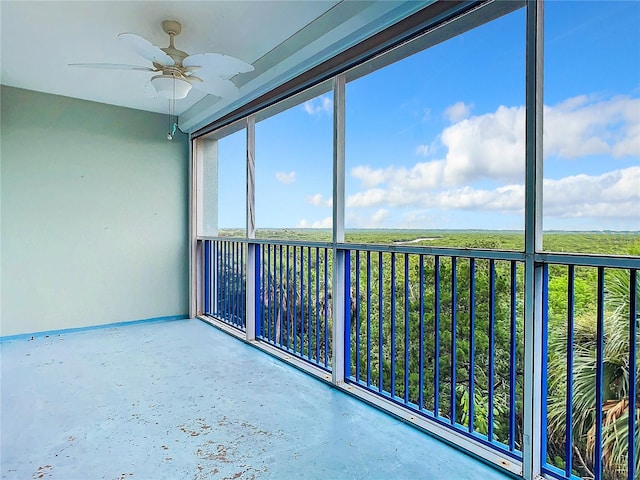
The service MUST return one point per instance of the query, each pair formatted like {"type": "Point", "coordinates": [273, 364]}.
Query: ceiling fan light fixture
{"type": "Point", "coordinates": [168, 86]}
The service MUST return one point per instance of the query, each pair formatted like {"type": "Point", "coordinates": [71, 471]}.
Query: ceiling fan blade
{"type": "Point", "coordinates": [146, 49]}
{"type": "Point", "coordinates": [217, 65]}
{"type": "Point", "coordinates": [215, 86]}
{"type": "Point", "coordinates": [112, 66]}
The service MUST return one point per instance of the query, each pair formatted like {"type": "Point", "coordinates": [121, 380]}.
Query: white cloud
{"type": "Point", "coordinates": [368, 176]}
{"type": "Point", "coordinates": [324, 223]}
{"type": "Point", "coordinates": [422, 175]}
{"type": "Point", "coordinates": [458, 111]}
{"type": "Point", "coordinates": [486, 146]}
{"type": "Point", "coordinates": [318, 105]}
{"type": "Point", "coordinates": [319, 201]}
{"type": "Point", "coordinates": [492, 146]}
{"type": "Point", "coordinates": [614, 194]}
{"type": "Point", "coordinates": [286, 178]}
{"type": "Point", "coordinates": [509, 198]}
{"type": "Point", "coordinates": [584, 125]}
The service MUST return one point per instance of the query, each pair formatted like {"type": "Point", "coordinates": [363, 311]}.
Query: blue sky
{"type": "Point", "coordinates": [437, 140]}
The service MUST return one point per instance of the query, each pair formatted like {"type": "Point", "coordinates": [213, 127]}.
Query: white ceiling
{"type": "Point", "coordinates": [280, 38]}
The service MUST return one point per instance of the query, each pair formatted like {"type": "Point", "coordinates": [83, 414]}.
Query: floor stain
{"type": "Point", "coordinates": [219, 457]}
{"type": "Point", "coordinates": [43, 472]}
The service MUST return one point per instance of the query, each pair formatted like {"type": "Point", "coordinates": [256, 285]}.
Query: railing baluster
{"type": "Point", "coordinates": [217, 253]}
{"type": "Point", "coordinates": [632, 416]}
{"type": "Point", "coordinates": [309, 305]}
{"type": "Point", "coordinates": [513, 356]}
{"type": "Point", "coordinates": [225, 282]}
{"type": "Point", "coordinates": [597, 452]}
{"type": "Point", "coordinates": [454, 333]}
{"type": "Point", "coordinates": [317, 302]}
{"type": "Point", "coordinates": [215, 307]}
{"type": "Point", "coordinates": [267, 301]}
{"type": "Point", "coordinates": [568, 426]}
{"type": "Point", "coordinates": [347, 313]}
{"type": "Point", "coordinates": [269, 293]}
{"type": "Point", "coordinates": [294, 292]}
{"type": "Point", "coordinates": [406, 328]}
{"type": "Point", "coordinates": [368, 318]}
{"type": "Point", "coordinates": [421, 340]}
{"type": "Point", "coordinates": [276, 295]}
{"type": "Point", "coordinates": [243, 280]}
{"type": "Point", "coordinates": [235, 273]}
{"type": "Point", "coordinates": [327, 303]}
{"type": "Point", "coordinates": [302, 302]}
{"type": "Point", "coordinates": [472, 342]}
{"type": "Point", "coordinates": [288, 302]}
{"type": "Point", "coordinates": [258, 295]}
{"type": "Point", "coordinates": [436, 333]}
{"type": "Point", "coordinates": [380, 316]}
{"type": "Point", "coordinates": [279, 319]}
{"type": "Point", "coordinates": [207, 276]}
{"type": "Point", "coordinates": [545, 359]}
{"type": "Point", "coordinates": [220, 275]}
{"type": "Point", "coordinates": [491, 379]}
{"type": "Point", "coordinates": [236, 292]}
{"type": "Point", "coordinates": [357, 319]}
{"type": "Point", "coordinates": [229, 283]}
{"type": "Point", "coordinates": [392, 287]}
{"type": "Point", "coordinates": [235, 300]}
{"type": "Point", "coordinates": [233, 277]}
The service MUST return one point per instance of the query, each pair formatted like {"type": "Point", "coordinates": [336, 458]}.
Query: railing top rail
{"type": "Point", "coordinates": [589, 260]}
{"type": "Point", "coordinates": [269, 241]}
{"type": "Point", "coordinates": [213, 238]}
{"type": "Point", "coordinates": [577, 259]}
{"type": "Point", "coordinates": [424, 250]}
{"type": "Point", "coordinates": [442, 251]}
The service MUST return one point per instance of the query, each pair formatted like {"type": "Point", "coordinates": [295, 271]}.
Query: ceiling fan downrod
{"type": "Point", "coordinates": [173, 29]}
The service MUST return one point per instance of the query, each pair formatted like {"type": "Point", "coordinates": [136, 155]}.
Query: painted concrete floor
{"type": "Point", "coordinates": [183, 400]}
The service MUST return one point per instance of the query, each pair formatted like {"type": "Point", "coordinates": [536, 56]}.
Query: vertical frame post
{"type": "Point", "coordinates": [533, 454]}
{"type": "Point", "coordinates": [203, 190]}
{"type": "Point", "coordinates": [339, 333]}
{"type": "Point", "coordinates": [252, 267]}
{"type": "Point", "coordinates": [195, 251]}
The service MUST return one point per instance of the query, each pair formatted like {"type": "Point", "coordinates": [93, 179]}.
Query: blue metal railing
{"type": "Point", "coordinates": [440, 334]}
{"type": "Point", "coordinates": [294, 307]}
{"type": "Point", "coordinates": [225, 281]}
{"type": "Point", "coordinates": [424, 339]}
{"type": "Point", "coordinates": [591, 383]}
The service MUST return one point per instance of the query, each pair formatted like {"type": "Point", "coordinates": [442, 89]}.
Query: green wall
{"type": "Point", "coordinates": [94, 205]}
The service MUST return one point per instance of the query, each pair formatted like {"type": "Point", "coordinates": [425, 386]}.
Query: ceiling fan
{"type": "Point", "coordinates": [177, 70]}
